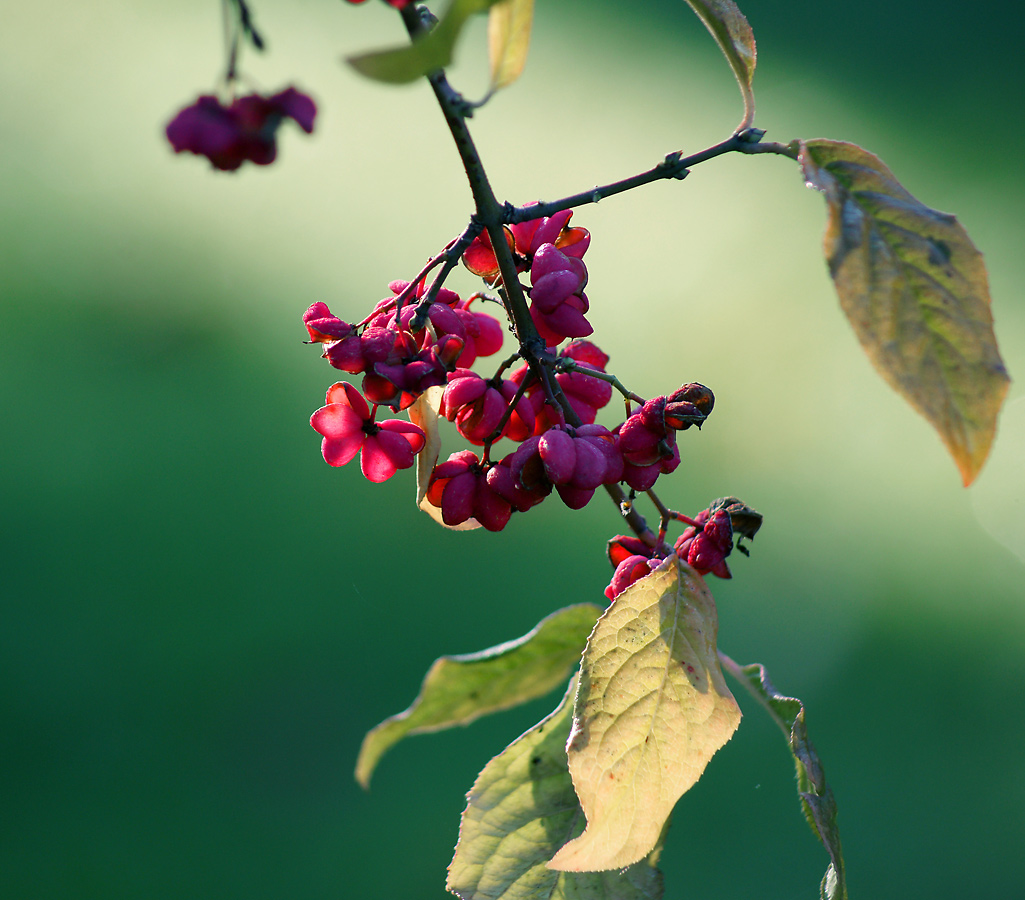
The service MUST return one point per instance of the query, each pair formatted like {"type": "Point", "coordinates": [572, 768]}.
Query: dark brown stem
{"type": "Point", "coordinates": [492, 216]}
{"type": "Point", "coordinates": [674, 165]}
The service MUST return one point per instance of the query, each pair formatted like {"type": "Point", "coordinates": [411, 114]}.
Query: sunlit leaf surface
{"type": "Point", "coordinates": [733, 34]}
{"type": "Point", "coordinates": [915, 289]}
{"type": "Point", "coordinates": [509, 24]}
{"type": "Point", "coordinates": [459, 689]}
{"type": "Point", "coordinates": [651, 711]}
{"type": "Point", "coordinates": [521, 809]}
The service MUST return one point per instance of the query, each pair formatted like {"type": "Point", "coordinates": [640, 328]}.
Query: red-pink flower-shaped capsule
{"type": "Point", "coordinates": [632, 569]}
{"type": "Point", "coordinates": [558, 455]}
{"type": "Point", "coordinates": [639, 443]}
{"type": "Point", "coordinates": [342, 346]}
{"type": "Point", "coordinates": [246, 130]}
{"type": "Point", "coordinates": [605, 442]}
{"type": "Point", "coordinates": [554, 278]}
{"type": "Point", "coordinates": [475, 405]}
{"type": "Point", "coordinates": [501, 480]}
{"type": "Point", "coordinates": [689, 405]}
{"type": "Point", "coordinates": [483, 333]}
{"type": "Point", "coordinates": [464, 387]}
{"type": "Point", "coordinates": [706, 550]}
{"type": "Point", "coordinates": [574, 497]}
{"type": "Point", "coordinates": [348, 427]}
{"type": "Point", "coordinates": [323, 327]}
{"type": "Point", "coordinates": [586, 352]}
{"type": "Point", "coordinates": [623, 545]}
{"type": "Point", "coordinates": [458, 487]}
{"type": "Point", "coordinates": [408, 371]}
{"type": "Point", "coordinates": [480, 257]}
{"type": "Point", "coordinates": [551, 230]}
{"type": "Point", "coordinates": [566, 321]}
{"type": "Point", "coordinates": [527, 468]}
{"type": "Point", "coordinates": [643, 478]}
{"type": "Point", "coordinates": [521, 421]}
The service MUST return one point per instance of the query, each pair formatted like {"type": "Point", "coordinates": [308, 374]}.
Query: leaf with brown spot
{"type": "Point", "coordinates": [914, 287]}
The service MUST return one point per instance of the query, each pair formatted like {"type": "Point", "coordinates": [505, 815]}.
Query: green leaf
{"type": "Point", "coordinates": [816, 796]}
{"type": "Point", "coordinates": [427, 53]}
{"type": "Point", "coordinates": [521, 809]}
{"type": "Point", "coordinates": [914, 288]}
{"type": "Point", "coordinates": [651, 711]}
{"type": "Point", "coordinates": [509, 24]}
{"type": "Point", "coordinates": [735, 38]}
{"type": "Point", "coordinates": [459, 689]}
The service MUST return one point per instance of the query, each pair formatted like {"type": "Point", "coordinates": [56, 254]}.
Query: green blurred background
{"type": "Point", "coordinates": [200, 619]}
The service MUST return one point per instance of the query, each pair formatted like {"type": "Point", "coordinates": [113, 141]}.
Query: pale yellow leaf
{"type": "Point", "coordinates": [424, 413]}
{"type": "Point", "coordinates": [733, 34]}
{"type": "Point", "coordinates": [651, 711]}
{"type": "Point", "coordinates": [509, 24]}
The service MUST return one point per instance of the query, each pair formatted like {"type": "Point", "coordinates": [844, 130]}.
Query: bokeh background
{"type": "Point", "coordinates": [200, 619]}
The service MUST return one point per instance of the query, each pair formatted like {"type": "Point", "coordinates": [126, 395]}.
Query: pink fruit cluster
{"type": "Point", "coordinates": [401, 349]}
{"type": "Point", "coordinates": [703, 545]}
{"type": "Point", "coordinates": [553, 254]}
{"type": "Point", "coordinates": [244, 131]}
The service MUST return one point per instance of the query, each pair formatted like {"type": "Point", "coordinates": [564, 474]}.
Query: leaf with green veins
{"type": "Point", "coordinates": [427, 53]}
{"type": "Point", "coordinates": [651, 711]}
{"type": "Point", "coordinates": [914, 288]}
{"type": "Point", "coordinates": [509, 24]}
{"type": "Point", "coordinates": [459, 689]}
{"type": "Point", "coordinates": [816, 797]}
{"type": "Point", "coordinates": [735, 38]}
{"type": "Point", "coordinates": [521, 809]}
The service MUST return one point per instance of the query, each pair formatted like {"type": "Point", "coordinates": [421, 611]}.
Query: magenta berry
{"type": "Point", "coordinates": [631, 570]}
{"type": "Point", "coordinates": [245, 131]}
{"type": "Point", "coordinates": [348, 428]}
{"type": "Point", "coordinates": [706, 549]}
{"type": "Point", "coordinates": [460, 489]}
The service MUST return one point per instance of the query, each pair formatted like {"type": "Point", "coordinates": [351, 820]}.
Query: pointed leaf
{"type": "Point", "coordinates": [459, 689]}
{"type": "Point", "coordinates": [424, 413]}
{"type": "Point", "coordinates": [915, 289]}
{"type": "Point", "coordinates": [509, 24]}
{"type": "Point", "coordinates": [735, 38]}
{"type": "Point", "coordinates": [521, 809]}
{"type": "Point", "coordinates": [651, 711]}
{"type": "Point", "coordinates": [816, 796]}
{"type": "Point", "coordinates": [428, 53]}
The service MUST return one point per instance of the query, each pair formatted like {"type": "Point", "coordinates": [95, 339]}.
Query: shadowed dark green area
{"type": "Point", "coordinates": [200, 620]}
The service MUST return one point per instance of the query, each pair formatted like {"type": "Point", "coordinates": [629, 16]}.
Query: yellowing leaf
{"type": "Point", "coordinates": [915, 289]}
{"type": "Point", "coordinates": [651, 711]}
{"type": "Point", "coordinates": [427, 53]}
{"type": "Point", "coordinates": [733, 34]}
{"type": "Point", "coordinates": [509, 24]}
{"type": "Point", "coordinates": [459, 689]}
{"type": "Point", "coordinates": [424, 412]}
{"type": "Point", "coordinates": [520, 810]}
